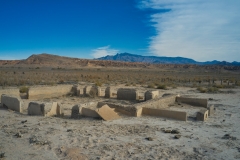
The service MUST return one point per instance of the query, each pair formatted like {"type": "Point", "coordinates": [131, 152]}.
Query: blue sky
{"type": "Point", "coordinates": [198, 29]}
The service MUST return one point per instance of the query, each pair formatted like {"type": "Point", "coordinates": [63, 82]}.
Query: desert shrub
{"type": "Point", "coordinates": [23, 89]}
{"type": "Point", "coordinates": [61, 81]}
{"type": "Point", "coordinates": [151, 85]}
{"type": "Point", "coordinates": [98, 83]}
{"type": "Point", "coordinates": [202, 90]}
{"type": "Point", "coordinates": [174, 86]}
{"type": "Point", "coordinates": [161, 86]}
{"type": "Point", "coordinates": [212, 89]}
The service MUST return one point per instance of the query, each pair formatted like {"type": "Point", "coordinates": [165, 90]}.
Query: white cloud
{"type": "Point", "coordinates": [103, 51]}
{"type": "Point", "coordinates": [198, 29]}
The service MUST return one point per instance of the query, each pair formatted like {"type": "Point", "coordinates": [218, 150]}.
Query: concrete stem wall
{"type": "Point", "coordinates": [193, 101]}
{"type": "Point", "coordinates": [182, 116]}
{"type": "Point", "coordinates": [48, 91]}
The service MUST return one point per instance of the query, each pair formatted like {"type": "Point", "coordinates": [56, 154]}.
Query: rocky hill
{"type": "Point", "coordinates": [127, 57]}
{"type": "Point", "coordinates": [55, 61]}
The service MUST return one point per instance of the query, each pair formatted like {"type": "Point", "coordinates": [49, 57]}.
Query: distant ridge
{"type": "Point", "coordinates": [124, 60]}
{"type": "Point", "coordinates": [127, 57]}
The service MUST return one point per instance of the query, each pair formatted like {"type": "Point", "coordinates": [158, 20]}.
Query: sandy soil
{"type": "Point", "coordinates": [35, 137]}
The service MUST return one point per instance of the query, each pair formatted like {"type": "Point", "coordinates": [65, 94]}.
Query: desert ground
{"type": "Point", "coordinates": [37, 137]}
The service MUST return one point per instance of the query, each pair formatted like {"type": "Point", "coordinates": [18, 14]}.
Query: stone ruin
{"type": "Point", "coordinates": [152, 104]}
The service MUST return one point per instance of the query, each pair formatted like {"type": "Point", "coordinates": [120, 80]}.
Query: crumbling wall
{"type": "Point", "coordinates": [35, 108]}
{"type": "Point", "coordinates": [45, 109]}
{"type": "Point", "coordinates": [86, 90]}
{"type": "Point", "coordinates": [110, 92]}
{"type": "Point", "coordinates": [12, 103]}
{"type": "Point", "coordinates": [10, 91]}
{"type": "Point", "coordinates": [211, 110]}
{"type": "Point", "coordinates": [193, 101]}
{"type": "Point", "coordinates": [127, 94]}
{"type": "Point", "coordinates": [55, 110]}
{"type": "Point", "coordinates": [151, 95]}
{"type": "Point", "coordinates": [101, 91]}
{"type": "Point", "coordinates": [178, 115]}
{"type": "Point", "coordinates": [202, 115]}
{"type": "Point", "coordinates": [107, 113]}
{"type": "Point", "coordinates": [89, 112]}
{"type": "Point", "coordinates": [75, 111]}
{"type": "Point", "coordinates": [129, 110]}
{"type": "Point", "coordinates": [41, 92]}
{"type": "Point", "coordinates": [161, 102]}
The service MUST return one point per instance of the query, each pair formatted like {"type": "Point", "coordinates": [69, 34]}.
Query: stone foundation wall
{"type": "Point", "coordinates": [182, 116]}
{"type": "Point", "coordinates": [127, 94]}
{"type": "Point", "coordinates": [161, 102]}
{"type": "Point", "coordinates": [193, 101]}
{"type": "Point", "coordinates": [41, 92]}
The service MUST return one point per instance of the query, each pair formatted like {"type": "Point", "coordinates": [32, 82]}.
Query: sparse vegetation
{"type": "Point", "coordinates": [151, 85]}
{"type": "Point", "coordinates": [161, 86]}
{"type": "Point", "coordinates": [151, 78]}
{"type": "Point", "coordinates": [210, 89]}
{"type": "Point", "coordinates": [23, 89]}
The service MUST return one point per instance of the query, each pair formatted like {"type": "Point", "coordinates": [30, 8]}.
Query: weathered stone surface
{"type": "Point", "coordinates": [151, 95]}
{"type": "Point", "coordinates": [127, 94]}
{"type": "Point", "coordinates": [107, 113]}
{"type": "Point", "coordinates": [55, 110]}
{"type": "Point", "coordinates": [178, 115]}
{"type": "Point", "coordinates": [138, 112]}
{"type": "Point", "coordinates": [86, 90]}
{"type": "Point", "coordinates": [48, 91]}
{"type": "Point", "coordinates": [75, 111]}
{"type": "Point", "coordinates": [110, 92]}
{"type": "Point", "coordinates": [89, 112]}
{"type": "Point", "coordinates": [211, 110]}
{"type": "Point", "coordinates": [193, 101]}
{"type": "Point", "coordinates": [12, 103]}
{"type": "Point", "coordinates": [160, 102]}
{"type": "Point", "coordinates": [202, 115]}
{"type": "Point", "coordinates": [100, 91]}
{"type": "Point", "coordinates": [35, 108]}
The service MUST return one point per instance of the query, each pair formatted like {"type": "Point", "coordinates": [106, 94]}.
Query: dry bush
{"type": "Point", "coordinates": [23, 89]}
{"type": "Point", "coordinates": [162, 86]}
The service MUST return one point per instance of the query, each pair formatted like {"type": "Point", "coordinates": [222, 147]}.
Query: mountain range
{"type": "Point", "coordinates": [127, 57]}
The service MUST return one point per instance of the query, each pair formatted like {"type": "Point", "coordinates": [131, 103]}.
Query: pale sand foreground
{"type": "Point", "coordinates": [35, 137]}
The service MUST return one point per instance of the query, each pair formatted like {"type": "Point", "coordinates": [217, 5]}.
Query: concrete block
{"type": "Point", "coordinates": [178, 115]}
{"type": "Point", "coordinates": [89, 112]}
{"type": "Point", "coordinates": [100, 91]}
{"type": "Point", "coordinates": [86, 90]}
{"type": "Point", "coordinates": [80, 91]}
{"type": "Point", "coordinates": [151, 95]}
{"type": "Point", "coordinates": [35, 108]}
{"type": "Point", "coordinates": [107, 113]}
{"type": "Point", "coordinates": [127, 94]}
{"type": "Point", "coordinates": [193, 101]}
{"type": "Point", "coordinates": [211, 110]}
{"type": "Point", "coordinates": [55, 110]}
{"type": "Point", "coordinates": [12, 103]}
{"type": "Point", "coordinates": [75, 111]}
{"type": "Point", "coordinates": [110, 92]}
{"type": "Point", "coordinates": [74, 90]}
{"type": "Point", "coordinates": [202, 115]}
{"type": "Point", "coordinates": [138, 112]}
